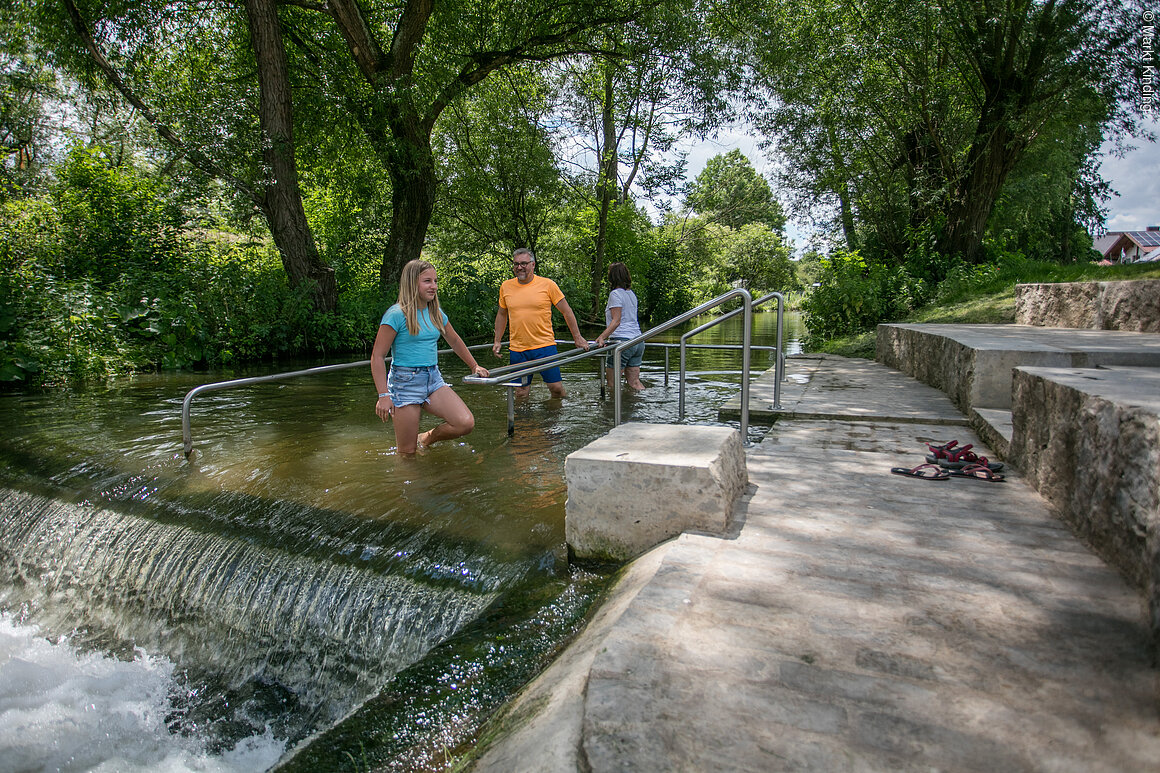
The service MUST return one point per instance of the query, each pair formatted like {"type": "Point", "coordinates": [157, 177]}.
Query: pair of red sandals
{"type": "Point", "coordinates": [945, 461]}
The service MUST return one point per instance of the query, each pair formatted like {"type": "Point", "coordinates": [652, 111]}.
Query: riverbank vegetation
{"type": "Point", "coordinates": [203, 187]}
{"type": "Point", "coordinates": [986, 297]}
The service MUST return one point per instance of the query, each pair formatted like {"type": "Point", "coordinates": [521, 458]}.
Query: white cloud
{"type": "Point", "coordinates": [1136, 177]}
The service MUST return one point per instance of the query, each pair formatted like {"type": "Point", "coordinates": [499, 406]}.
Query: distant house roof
{"type": "Point", "coordinates": [1134, 246]}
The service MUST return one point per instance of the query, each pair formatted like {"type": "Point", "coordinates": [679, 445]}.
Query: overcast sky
{"type": "Point", "coordinates": [1136, 178]}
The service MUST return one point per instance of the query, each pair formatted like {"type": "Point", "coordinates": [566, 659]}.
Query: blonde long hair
{"type": "Point", "coordinates": [409, 297]}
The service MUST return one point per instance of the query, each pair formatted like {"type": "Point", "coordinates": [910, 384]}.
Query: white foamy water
{"type": "Point", "coordinates": [64, 710]}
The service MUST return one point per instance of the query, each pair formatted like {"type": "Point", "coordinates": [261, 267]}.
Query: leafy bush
{"type": "Point", "coordinates": [853, 296]}
{"type": "Point", "coordinates": [469, 294]}
{"type": "Point", "coordinates": [964, 278]}
{"type": "Point", "coordinates": [111, 219]}
{"type": "Point", "coordinates": [666, 289]}
{"type": "Point", "coordinates": [221, 302]}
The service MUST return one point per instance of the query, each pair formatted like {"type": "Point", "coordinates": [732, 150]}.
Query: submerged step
{"type": "Point", "coordinates": [642, 484]}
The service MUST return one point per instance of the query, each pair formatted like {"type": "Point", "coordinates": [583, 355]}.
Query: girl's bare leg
{"type": "Point", "coordinates": [406, 421]}
{"type": "Point", "coordinates": [457, 417]}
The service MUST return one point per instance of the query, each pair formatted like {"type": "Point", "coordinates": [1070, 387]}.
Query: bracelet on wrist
{"type": "Point", "coordinates": [384, 394]}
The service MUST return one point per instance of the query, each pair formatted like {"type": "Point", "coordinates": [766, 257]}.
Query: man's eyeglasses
{"type": "Point", "coordinates": [521, 263]}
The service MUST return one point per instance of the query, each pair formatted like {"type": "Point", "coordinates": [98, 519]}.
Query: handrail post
{"type": "Point", "coordinates": [616, 386]}
{"type": "Point", "coordinates": [511, 405]}
{"type": "Point", "coordinates": [746, 336]}
{"type": "Point", "coordinates": [680, 318]}
{"type": "Point", "coordinates": [779, 366]}
{"type": "Point", "coordinates": [747, 345]}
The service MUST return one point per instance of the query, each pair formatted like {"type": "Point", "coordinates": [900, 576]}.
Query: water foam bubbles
{"type": "Point", "coordinates": [61, 709]}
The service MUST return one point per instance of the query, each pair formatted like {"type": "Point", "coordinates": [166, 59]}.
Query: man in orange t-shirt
{"type": "Point", "coordinates": [526, 302]}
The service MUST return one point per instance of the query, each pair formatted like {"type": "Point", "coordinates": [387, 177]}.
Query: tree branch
{"type": "Point", "coordinates": [197, 158]}
{"type": "Point", "coordinates": [483, 63]}
{"type": "Point", "coordinates": [320, 7]}
{"type": "Point", "coordinates": [408, 34]}
{"type": "Point", "coordinates": [364, 47]}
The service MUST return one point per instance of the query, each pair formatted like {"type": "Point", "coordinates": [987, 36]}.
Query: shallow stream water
{"type": "Point", "coordinates": [296, 576]}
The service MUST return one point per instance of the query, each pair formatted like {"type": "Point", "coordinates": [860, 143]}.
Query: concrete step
{"type": "Point", "coordinates": [972, 364]}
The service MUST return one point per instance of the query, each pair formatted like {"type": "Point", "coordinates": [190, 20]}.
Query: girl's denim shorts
{"type": "Point", "coordinates": [412, 386]}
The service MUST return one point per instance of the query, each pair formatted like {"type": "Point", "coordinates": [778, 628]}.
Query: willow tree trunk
{"type": "Point", "coordinates": [411, 164]}
{"type": "Point", "coordinates": [991, 158]}
{"type": "Point", "coordinates": [280, 198]}
{"type": "Point", "coordinates": [606, 188]}
{"type": "Point", "coordinates": [843, 189]}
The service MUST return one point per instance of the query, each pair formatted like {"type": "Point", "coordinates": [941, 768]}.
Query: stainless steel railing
{"type": "Point", "coordinates": [510, 375]}
{"type": "Point", "coordinates": [779, 365]}
{"type": "Point", "coordinates": [187, 403]}
{"type": "Point", "coordinates": [746, 332]}
{"type": "Point", "coordinates": [507, 375]}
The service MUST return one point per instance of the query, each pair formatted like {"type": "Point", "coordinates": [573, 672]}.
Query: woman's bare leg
{"type": "Point", "coordinates": [632, 375]}
{"type": "Point", "coordinates": [457, 417]}
{"type": "Point", "coordinates": [406, 421]}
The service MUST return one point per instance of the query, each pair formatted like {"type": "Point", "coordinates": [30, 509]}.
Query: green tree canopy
{"type": "Point", "coordinates": [909, 118]}
{"type": "Point", "coordinates": [729, 191]}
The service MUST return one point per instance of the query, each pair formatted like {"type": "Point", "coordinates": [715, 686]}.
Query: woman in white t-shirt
{"type": "Point", "coordinates": [622, 325]}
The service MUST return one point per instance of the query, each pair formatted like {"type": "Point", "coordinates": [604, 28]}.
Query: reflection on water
{"type": "Point", "coordinates": [297, 565]}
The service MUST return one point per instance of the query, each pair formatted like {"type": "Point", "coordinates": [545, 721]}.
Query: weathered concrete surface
{"type": "Point", "coordinates": [642, 484]}
{"type": "Point", "coordinates": [858, 620]}
{"type": "Point", "coordinates": [541, 727]}
{"type": "Point", "coordinates": [995, 428]}
{"type": "Point", "coordinates": [1131, 305]}
{"type": "Point", "coordinates": [825, 386]}
{"type": "Point", "coordinates": [864, 621]}
{"type": "Point", "coordinates": [973, 364]}
{"type": "Point", "coordinates": [1089, 442]}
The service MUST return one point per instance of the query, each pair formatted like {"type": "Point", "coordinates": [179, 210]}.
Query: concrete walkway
{"type": "Point", "coordinates": [854, 620]}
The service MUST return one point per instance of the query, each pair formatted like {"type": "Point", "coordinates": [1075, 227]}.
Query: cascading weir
{"type": "Point", "coordinates": [321, 627]}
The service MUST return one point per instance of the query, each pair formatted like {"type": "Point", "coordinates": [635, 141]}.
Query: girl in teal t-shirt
{"type": "Point", "coordinates": [410, 333]}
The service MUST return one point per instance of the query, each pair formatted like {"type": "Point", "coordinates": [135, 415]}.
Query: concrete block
{"type": "Point", "coordinates": [642, 484]}
{"type": "Point", "coordinates": [1132, 305]}
{"type": "Point", "coordinates": [1088, 440]}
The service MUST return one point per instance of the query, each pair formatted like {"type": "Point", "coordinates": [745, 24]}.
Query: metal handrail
{"type": "Point", "coordinates": [186, 404]}
{"type": "Point", "coordinates": [779, 365]}
{"type": "Point", "coordinates": [666, 346]}
{"type": "Point", "coordinates": [529, 367]}
{"type": "Point", "coordinates": [508, 375]}
{"type": "Point", "coordinates": [747, 309]}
